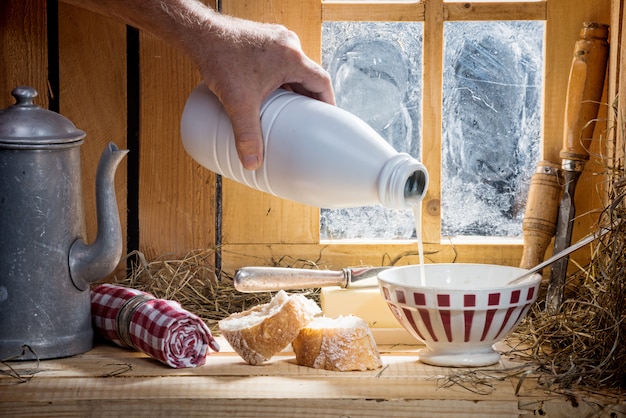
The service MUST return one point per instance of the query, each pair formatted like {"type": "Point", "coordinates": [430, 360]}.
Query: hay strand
{"type": "Point", "coordinates": [192, 282]}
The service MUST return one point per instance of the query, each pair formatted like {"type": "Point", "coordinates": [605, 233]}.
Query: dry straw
{"type": "Point", "coordinates": [584, 344]}
{"type": "Point", "coordinates": [193, 283]}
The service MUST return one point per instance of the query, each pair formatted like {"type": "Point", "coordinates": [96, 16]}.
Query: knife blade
{"type": "Point", "coordinates": [562, 239]}
{"type": "Point", "coordinates": [584, 92]}
{"type": "Point", "coordinates": [264, 279]}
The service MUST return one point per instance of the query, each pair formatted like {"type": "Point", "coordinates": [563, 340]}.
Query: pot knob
{"type": "Point", "coordinates": [27, 125]}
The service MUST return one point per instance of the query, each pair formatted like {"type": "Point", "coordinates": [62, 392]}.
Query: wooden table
{"type": "Point", "coordinates": [110, 381]}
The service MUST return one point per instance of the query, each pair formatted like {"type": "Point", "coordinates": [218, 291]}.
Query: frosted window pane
{"type": "Point", "coordinates": [376, 69]}
{"type": "Point", "coordinates": [491, 124]}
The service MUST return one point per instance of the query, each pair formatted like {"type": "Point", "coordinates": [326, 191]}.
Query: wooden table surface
{"type": "Point", "coordinates": [110, 381]}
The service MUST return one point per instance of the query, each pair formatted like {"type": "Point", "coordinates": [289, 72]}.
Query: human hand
{"type": "Point", "coordinates": [243, 62]}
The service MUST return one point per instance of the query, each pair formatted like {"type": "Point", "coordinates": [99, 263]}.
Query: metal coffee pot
{"type": "Point", "coordinates": [45, 265]}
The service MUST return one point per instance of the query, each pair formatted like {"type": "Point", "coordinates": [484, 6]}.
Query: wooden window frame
{"type": "Point", "coordinates": [259, 229]}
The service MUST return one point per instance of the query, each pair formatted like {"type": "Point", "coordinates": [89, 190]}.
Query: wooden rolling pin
{"type": "Point", "coordinates": [542, 207]}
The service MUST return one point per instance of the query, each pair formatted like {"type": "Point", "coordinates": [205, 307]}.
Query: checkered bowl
{"type": "Point", "coordinates": [459, 311]}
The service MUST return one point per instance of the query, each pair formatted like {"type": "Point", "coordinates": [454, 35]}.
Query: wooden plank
{"type": "Point", "coordinates": [262, 408]}
{"type": "Point", "coordinates": [565, 19]}
{"type": "Point", "coordinates": [226, 382]}
{"type": "Point", "coordinates": [414, 11]}
{"type": "Point", "coordinates": [341, 255]}
{"type": "Point", "coordinates": [371, 12]}
{"type": "Point", "coordinates": [23, 49]}
{"type": "Point", "coordinates": [537, 401]}
{"type": "Point", "coordinates": [270, 380]}
{"type": "Point", "coordinates": [620, 76]}
{"type": "Point", "coordinates": [254, 217]}
{"type": "Point", "coordinates": [239, 387]}
{"type": "Point", "coordinates": [301, 16]}
{"type": "Point", "coordinates": [92, 94]}
{"type": "Point", "coordinates": [617, 85]}
{"type": "Point", "coordinates": [112, 381]}
{"type": "Point", "coordinates": [432, 119]}
{"type": "Point", "coordinates": [177, 207]}
{"type": "Point", "coordinates": [495, 11]}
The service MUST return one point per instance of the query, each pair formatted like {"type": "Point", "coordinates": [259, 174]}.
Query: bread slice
{"type": "Point", "coordinates": [342, 344]}
{"type": "Point", "coordinates": [260, 332]}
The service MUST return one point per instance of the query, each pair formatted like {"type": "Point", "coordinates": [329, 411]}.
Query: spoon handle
{"type": "Point", "coordinates": [584, 241]}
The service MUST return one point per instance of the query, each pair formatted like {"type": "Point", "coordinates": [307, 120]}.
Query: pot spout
{"type": "Point", "coordinates": [90, 263]}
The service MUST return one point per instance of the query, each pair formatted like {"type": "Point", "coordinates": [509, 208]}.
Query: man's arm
{"type": "Point", "coordinates": [241, 61]}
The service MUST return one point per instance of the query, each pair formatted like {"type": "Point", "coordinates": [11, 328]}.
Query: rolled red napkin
{"type": "Point", "coordinates": [160, 328]}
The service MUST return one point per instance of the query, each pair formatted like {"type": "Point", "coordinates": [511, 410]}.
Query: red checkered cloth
{"type": "Point", "coordinates": [160, 328]}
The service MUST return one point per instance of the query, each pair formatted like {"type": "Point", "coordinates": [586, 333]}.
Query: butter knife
{"type": "Point", "coordinates": [264, 279]}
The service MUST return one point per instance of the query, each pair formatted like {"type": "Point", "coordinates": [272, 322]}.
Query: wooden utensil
{"type": "Point", "coordinates": [542, 207]}
{"type": "Point", "coordinates": [586, 83]}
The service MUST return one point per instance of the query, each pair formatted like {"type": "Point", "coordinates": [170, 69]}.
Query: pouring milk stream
{"type": "Point", "coordinates": [315, 153]}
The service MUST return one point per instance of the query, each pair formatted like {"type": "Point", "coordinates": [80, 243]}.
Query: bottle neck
{"type": "Point", "coordinates": [403, 182]}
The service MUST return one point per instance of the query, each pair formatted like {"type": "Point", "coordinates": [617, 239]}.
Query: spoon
{"type": "Point", "coordinates": [584, 241]}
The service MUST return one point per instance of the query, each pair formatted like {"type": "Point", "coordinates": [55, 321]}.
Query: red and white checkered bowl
{"type": "Point", "coordinates": [460, 310]}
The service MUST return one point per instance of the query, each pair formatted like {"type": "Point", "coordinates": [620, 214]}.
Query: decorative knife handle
{"type": "Point", "coordinates": [265, 279]}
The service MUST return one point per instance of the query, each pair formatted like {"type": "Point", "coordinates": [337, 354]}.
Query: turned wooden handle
{"type": "Point", "coordinates": [586, 83]}
{"type": "Point", "coordinates": [542, 208]}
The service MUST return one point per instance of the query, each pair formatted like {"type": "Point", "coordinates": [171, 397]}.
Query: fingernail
{"type": "Point", "coordinates": [250, 162]}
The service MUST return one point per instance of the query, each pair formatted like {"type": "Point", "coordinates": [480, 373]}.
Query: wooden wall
{"type": "Point", "coordinates": [128, 87]}
{"type": "Point", "coordinates": [167, 202]}
{"type": "Point", "coordinates": [77, 64]}
{"type": "Point", "coordinates": [617, 79]}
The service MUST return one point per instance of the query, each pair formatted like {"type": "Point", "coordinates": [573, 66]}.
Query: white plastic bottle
{"type": "Point", "coordinates": [315, 153]}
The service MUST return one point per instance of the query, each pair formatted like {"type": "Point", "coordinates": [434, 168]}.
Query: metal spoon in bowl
{"type": "Point", "coordinates": [584, 241]}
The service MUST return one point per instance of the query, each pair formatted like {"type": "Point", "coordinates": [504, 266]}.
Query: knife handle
{"type": "Point", "coordinates": [542, 206]}
{"type": "Point", "coordinates": [584, 92]}
{"type": "Point", "coordinates": [266, 279]}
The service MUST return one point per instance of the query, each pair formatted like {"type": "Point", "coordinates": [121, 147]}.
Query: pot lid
{"type": "Point", "coordinates": [26, 123]}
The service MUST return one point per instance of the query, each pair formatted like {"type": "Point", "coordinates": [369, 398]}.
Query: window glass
{"type": "Point", "coordinates": [492, 91]}
{"type": "Point", "coordinates": [376, 68]}
{"type": "Point", "coordinates": [492, 94]}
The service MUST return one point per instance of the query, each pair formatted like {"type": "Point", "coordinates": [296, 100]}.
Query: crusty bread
{"type": "Point", "coordinates": [260, 332]}
{"type": "Point", "coordinates": [343, 344]}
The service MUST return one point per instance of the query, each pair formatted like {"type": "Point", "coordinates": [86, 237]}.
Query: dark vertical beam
{"type": "Point", "coordinates": [52, 17]}
{"type": "Point", "coordinates": [132, 97]}
{"type": "Point", "coordinates": [218, 205]}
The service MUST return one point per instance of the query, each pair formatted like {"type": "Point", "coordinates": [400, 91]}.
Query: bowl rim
{"type": "Point", "coordinates": [531, 280]}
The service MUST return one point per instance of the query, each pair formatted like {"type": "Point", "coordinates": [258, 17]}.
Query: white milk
{"type": "Point", "coordinates": [417, 214]}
